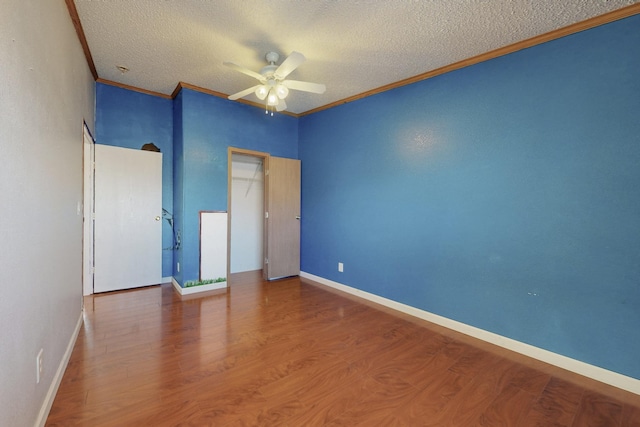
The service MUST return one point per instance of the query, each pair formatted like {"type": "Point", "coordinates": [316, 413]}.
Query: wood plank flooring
{"type": "Point", "coordinates": [291, 353]}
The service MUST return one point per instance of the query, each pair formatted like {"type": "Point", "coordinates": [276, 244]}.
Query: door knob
{"type": "Point", "coordinates": [297, 216]}
{"type": "Point", "coordinates": [158, 218]}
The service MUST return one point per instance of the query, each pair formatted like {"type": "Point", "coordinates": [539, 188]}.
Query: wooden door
{"type": "Point", "coordinates": [128, 213]}
{"type": "Point", "coordinates": [282, 246]}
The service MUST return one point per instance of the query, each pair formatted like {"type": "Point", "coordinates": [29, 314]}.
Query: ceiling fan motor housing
{"type": "Point", "coordinates": [272, 57]}
{"type": "Point", "coordinates": [268, 71]}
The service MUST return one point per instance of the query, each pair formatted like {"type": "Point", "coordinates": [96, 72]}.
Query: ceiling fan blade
{"type": "Point", "coordinates": [292, 62]}
{"type": "Point", "coordinates": [243, 93]}
{"type": "Point", "coordinates": [305, 86]}
{"type": "Point", "coordinates": [246, 71]}
{"type": "Point", "coordinates": [281, 105]}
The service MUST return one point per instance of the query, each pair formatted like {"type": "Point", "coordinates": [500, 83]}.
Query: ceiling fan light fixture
{"type": "Point", "coordinates": [272, 99]}
{"type": "Point", "coordinates": [262, 92]}
{"type": "Point", "coordinates": [282, 91]}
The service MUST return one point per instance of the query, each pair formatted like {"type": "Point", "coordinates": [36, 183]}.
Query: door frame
{"type": "Point", "coordinates": [88, 164]}
{"type": "Point", "coordinates": [265, 167]}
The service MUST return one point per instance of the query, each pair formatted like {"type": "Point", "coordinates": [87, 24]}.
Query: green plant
{"type": "Point", "coordinates": [192, 283]}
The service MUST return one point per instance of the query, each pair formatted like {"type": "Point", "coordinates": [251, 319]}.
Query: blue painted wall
{"type": "Point", "coordinates": [193, 131]}
{"type": "Point", "coordinates": [505, 195]}
{"type": "Point", "coordinates": [131, 119]}
{"type": "Point", "coordinates": [178, 185]}
{"type": "Point", "coordinates": [209, 125]}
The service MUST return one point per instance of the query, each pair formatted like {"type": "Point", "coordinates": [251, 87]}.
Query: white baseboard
{"type": "Point", "coordinates": [603, 375]}
{"type": "Point", "coordinates": [55, 384]}
{"type": "Point", "coordinates": [87, 292]}
{"type": "Point", "coordinates": [197, 289]}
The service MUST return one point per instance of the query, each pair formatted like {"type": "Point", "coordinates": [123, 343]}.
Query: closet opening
{"type": "Point", "coordinates": [246, 208]}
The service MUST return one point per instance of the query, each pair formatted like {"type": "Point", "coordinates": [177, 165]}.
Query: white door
{"type": "Point", "coordinates": [128, 213]}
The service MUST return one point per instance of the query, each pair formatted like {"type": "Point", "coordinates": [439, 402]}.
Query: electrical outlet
{"type": "Point", "coordinates": [340, 267]}
{"type": "Point", "coordinates": [39, 366]}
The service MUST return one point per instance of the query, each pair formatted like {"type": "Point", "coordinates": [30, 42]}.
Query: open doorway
{"type": "Point", "coordinates": [246, 210]}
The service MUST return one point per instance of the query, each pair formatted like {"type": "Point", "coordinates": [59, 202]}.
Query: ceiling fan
{"type": "Point", "coordinates": [274, 86]}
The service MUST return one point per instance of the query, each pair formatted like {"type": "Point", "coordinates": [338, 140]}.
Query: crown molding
{"type": "Point", "coordinates": [73, 13]}
{"type": "Point", "coordinates": [133, 88]}
{"type": "Point", "coordinates": [615, 15]}
{"type": "Point", "coordinates": [183, 85]}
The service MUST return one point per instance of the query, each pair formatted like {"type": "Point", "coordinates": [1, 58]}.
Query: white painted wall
{"type": "Point", "coordinates": [46, 92]}
{"type": "Point", "coordinates": [247, 210]}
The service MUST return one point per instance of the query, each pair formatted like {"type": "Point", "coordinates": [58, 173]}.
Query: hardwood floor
{"type": "Point", "coordinates": [291, 353]}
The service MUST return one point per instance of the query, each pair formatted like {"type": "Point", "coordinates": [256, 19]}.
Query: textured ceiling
{"type": "Point", "coordinates": [351, 46]}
